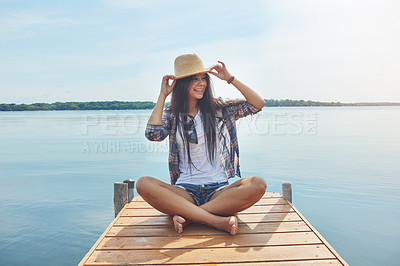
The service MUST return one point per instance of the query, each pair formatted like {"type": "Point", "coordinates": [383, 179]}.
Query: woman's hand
{"type": "Point", "coordinates": [166, 88]}
{"type": "Point", "coordinates": [220, 71]}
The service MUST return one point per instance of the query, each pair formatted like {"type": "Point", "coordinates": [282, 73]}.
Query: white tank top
{"type": "Point", "coordinates": [205, 172]}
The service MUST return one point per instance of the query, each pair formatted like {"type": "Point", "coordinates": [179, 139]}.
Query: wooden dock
{"type": "Point", "coordinates": [272, 232]}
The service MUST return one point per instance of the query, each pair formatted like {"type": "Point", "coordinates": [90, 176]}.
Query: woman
{"type": "Point", "coordinates": [203, 149]}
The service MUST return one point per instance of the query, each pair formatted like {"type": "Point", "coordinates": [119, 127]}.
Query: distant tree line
{"type": "Point", "coordinates": [287, 102]}
{"type": "Point", "coordinates": [120, 105]}
{"type": "Point", "coordinates": [58, 106]}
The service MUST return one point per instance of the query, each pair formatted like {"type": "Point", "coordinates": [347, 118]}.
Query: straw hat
{"type": "Point", "coordinates": [187, 65]}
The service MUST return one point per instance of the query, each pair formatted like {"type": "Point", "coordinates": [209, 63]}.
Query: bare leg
{"type": "Point", "coordinates": [236, 197]}
{"type": "Point", "coordinates": [173, 200]}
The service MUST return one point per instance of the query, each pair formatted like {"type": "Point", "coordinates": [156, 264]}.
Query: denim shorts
{"type": "Point", "coordinates": [202, 193]}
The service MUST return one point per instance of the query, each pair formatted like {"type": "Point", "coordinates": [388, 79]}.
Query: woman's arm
{"type": "Point", "coordinates": [251, 96]}
{"type": "Point", "coordinates": [157, 128]}
{"type": "Point", "coordinates": [166, 89]}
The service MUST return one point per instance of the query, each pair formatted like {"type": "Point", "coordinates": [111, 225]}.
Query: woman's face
{"type": "Point", "coordinates": [197, 86]}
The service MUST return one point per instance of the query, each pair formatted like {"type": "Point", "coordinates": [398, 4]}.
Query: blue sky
{"type": "Point", "coordinates": [98, 50]}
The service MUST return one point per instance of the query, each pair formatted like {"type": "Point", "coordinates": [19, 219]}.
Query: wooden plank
{"type": "Point", "coordinates": [319, 236]}
{"type": "Point", "coordinates": [318, 262]}
{"type": "Point", "coordinates": [327, 262]}
{"type": "Point", "coordinates": [199, 229]}
{"type": "Point", "coordinates": [243, 218]}
{"type": "Point", "coordinates": [262, 202]}
{"type": "Point", "coordinates": [215, 241]}
{"type": "Point", "coordinates": [254, 209]}
{"type": "Point", "coordinates": [215, 255]}
{"type": "Point", "coordinates": [90, 252]}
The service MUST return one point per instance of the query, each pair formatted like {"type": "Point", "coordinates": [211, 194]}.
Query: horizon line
{"type": "Point", "coordinates": [366, 102]}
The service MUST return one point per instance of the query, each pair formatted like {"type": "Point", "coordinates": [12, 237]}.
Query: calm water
{"type": "Point", "coordinates": [57, 171]}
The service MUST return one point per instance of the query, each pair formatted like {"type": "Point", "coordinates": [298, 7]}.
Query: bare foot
{"type": "Point", "coordinates": [233, 222]}
{"type": "Point", "coordinates": [178, 223]}
{"type": "Point", "coordinates": [229, 224]}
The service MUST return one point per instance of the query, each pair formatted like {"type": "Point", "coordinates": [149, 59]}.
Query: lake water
{"type": "Point", "coordinates": [57, 170]}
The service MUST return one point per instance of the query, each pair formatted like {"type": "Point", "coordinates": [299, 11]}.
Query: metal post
{"type": "Point", "coordinates": [287, 191]}
{"type": "Point", "coordinates": [131, 186]}
{"type": "Point", "coordinates": [120, 196]}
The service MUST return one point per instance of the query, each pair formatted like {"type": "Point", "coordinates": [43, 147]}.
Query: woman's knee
{"type": "Point", "coordinates": [144, 184]}
{"type": "Point", "coordinates": [258, 185]}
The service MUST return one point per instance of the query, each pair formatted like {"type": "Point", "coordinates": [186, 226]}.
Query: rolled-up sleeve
{"type": "Point", "coordinates": [159, 132]}
{"type": "Point", "coordinates": [243, 109]}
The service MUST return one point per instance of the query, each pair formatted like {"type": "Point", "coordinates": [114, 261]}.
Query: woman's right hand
{"type": "Point", "coordinates": [166, 88]}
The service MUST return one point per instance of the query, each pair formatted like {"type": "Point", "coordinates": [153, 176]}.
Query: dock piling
{"type": "Point", "coordinates": [120, 196]}
{"type": "Point", "coordinates": [287, 191]}
{"type": "Point", "coordinates": [131, 186]}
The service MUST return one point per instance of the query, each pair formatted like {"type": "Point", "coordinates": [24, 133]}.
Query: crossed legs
{"type": "Point", "coordinates": [219, 212]}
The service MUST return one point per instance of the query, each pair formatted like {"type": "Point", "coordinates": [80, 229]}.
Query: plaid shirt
{"type": "Point", "coordinates": [227, 137]}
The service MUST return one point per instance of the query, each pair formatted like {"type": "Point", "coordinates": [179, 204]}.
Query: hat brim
{"type": "Point", "coordinates": [207, 70]}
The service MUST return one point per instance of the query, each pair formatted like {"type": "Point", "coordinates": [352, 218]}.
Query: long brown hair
{"type": "Point", "coordinates": [208, 105]}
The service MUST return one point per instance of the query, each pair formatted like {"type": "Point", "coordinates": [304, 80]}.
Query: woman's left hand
{"type": "Point", "coordinates": [220, 71]}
